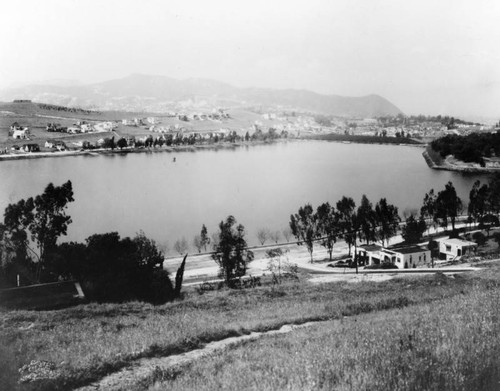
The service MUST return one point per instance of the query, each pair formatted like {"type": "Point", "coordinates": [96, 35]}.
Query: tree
{"type": "Point", "coordinates": [197, 243]}
{"type": "Point", "coordinates": [231, 253]}
{"type": "Point", "coordinates": [479, 238]}
{"type": "Point", "coordinates": [494, 194]}
{"type": "Point", "coordinates": [448, 206]}
{"type": "Point", "coordinates": [496, 237]}
{"type": "Point", "coordinates": [366, 219]}
{"type": "Point", "coordinates": [181, 246]}
{"type": "Point", "coordinates": [304, 226]}
{"type": "Point", "coordinates": [278, 266]}
{"type": "Point", "coordinates": [117, 270]}
{"type": "Point", "coordinates": [346, 217]}
{"type": "Point", "coordinates": [42, 219]}
{"type": "Point", "coordinates": [413, 229]}
{"type": "Point", "coordinates": [122, 143]}
{"type": "Point", "coordinates": [387, 220]}
{"type": "Point", "coordinates": [205, 240]}
{"type": "Point", "coordinates": [433, 247]}
{"type": "Point", "coordinates": [327, 226]}
{"type": "Point", "coordinates": [478, 201]}
{"type": "Point", "coordinates": [428, 209]}
{"type": "Point", "coordinates": [287, 233]}
{"type": "Point", "coordinates": [263, 235]}
{"type": "Point", "coordinates": [275, 236]}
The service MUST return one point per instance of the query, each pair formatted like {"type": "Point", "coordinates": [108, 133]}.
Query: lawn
{"type": "Point", "coordinates": [86, 342]}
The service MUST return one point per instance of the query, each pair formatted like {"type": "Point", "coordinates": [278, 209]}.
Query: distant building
{"type": "Point", "coordinates": [21, 101]}
{"type": "Point", "coordinates": [21, 134]}
{"type": "Point", "coordinates": [30, 148]}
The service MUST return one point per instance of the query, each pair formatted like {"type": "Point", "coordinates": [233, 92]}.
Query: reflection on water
{"type": "Point", "coordinates": [260, 185]}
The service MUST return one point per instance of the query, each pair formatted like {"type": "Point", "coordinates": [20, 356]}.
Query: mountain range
{"type": "Point", "coordinates": [140, 92]}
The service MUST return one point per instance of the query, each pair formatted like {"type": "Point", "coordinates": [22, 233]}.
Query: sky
{"type": "Point", "coordinates": [426, 57]}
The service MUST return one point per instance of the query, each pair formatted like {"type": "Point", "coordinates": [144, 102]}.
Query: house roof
{"type": "Point", "coordinates": [457, 242]}
{"type": "Point", "coordinates": [409, 250]}
{"type": "Point", "coordinates": [370, 247]}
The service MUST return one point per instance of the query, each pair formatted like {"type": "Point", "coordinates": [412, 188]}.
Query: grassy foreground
{"type": "Point", "coordinates": [453, 344]}
{"type": "Point", "coordinates": [78, 345]}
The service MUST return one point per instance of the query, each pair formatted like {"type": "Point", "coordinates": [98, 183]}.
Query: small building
{"type": "Point", "coordinates": [406, 257]}
{"type": "Point", "coordinates": [21, 134]}
{"type": "Point", "coordinates": [403, 257]}
{"type": "Point", "coordinates": [451, 248]}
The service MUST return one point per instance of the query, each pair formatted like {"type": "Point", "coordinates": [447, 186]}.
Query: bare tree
{"type": "Point", "coordinates": [287, 233]}
{"type": "Point", "coordinates": [181, 246]}
{"type": "Point", "coordinates": [263, 234]}
{"type": "Point", "coordinates": [275, 236]}
{"type": "Point", "coordinates": [197, 242]}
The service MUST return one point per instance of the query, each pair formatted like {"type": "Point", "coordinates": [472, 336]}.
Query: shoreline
{"type": "Point", "coordinates": [179, 148]}
{"type": "Point", "coordinates": [130, 150]}
{"type": "Point", "coordinates": [446, 166]}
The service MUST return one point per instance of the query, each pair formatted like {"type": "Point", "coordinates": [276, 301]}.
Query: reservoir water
{"type": "Point", "coordinates": [260, 185]}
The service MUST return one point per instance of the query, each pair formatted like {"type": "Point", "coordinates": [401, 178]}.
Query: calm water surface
{"type": "Point", "coordinates": [260, 185]}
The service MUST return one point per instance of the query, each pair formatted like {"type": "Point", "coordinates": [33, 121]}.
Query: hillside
{"type": "Point", "coordinates": [139, 92]}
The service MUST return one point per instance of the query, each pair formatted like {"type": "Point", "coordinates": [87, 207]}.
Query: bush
{"type": "Point", "coordinates": [381, 266]}
{"type": "Point", "coordinates": [112, 269]}
{"type": "Point", "coordinates": [479, 238]}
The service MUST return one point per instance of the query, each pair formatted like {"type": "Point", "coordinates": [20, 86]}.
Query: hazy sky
{"type": "Point", "coordinates": [439, 56]}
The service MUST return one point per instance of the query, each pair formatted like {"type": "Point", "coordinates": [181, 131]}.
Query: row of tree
{"type": "Point", "coordinates": [328, 223]}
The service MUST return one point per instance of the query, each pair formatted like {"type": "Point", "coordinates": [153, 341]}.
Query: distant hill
{"type": "Point", "coordinates": [139, 92]}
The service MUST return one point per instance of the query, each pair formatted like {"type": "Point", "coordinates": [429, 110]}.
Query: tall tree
{"type": "Point", "coordinates": [387, 220]}
{"type": "Point", "coordinates": [327, 226]}
{"type": "Point", "coordinates": [428, 209]}
{"type": "Point", "coordinates": [448, 206]}
{"type": "Point", "coordinates": [231, 253]}
{"type": "Point", "coordinates": [42, 219]}
{"type": "Point", "coordinates": [304, 226]}
{"type": "Point", "coordinates": [478, 201]}
{"type": "Point", "coordinates": [413, 229]}
{"type": "Point", "coordinates": [205, 240]}
{"type": "Point", "coordinates": [366, 218]}
{"type": "Point", "coordinates": [346, 213]}
{"type": "Point", "coordinates": [494, 195]}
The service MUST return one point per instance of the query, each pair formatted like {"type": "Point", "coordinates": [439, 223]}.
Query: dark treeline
{"type": "Point", "coordinates": [445, 120]}
{"type": "Point", "coordinates": [46, 106]}
{"type": "Point", "coordinates": [471, 148]}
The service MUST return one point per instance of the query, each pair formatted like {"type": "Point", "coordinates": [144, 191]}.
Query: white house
{"type": "Point", "coordinates": [21, 134]}
{"type": "Point", "coordinates": [453, 247]}
{"type": "Point", "coordinates": [87, 128]}
{"type": "Point", "coordinates": [403, 257]}
{"type": "Point", "coordinates": [406, 257]}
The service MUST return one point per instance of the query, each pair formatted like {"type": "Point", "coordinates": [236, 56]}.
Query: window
{"type": "Point", "coordinates": [448, 247]}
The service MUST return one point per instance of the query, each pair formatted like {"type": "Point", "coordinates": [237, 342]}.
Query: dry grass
{"type": "Point", "coordinates": [450, 345]}
{"type": "Point", "coordinates": [89, 341]}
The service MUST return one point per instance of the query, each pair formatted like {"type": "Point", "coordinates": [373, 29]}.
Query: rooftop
{"type": "Point", "coordinates": [460, 242]}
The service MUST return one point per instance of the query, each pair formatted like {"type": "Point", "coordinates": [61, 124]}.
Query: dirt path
{"type": "Point", "coordinates": [144, 369]}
